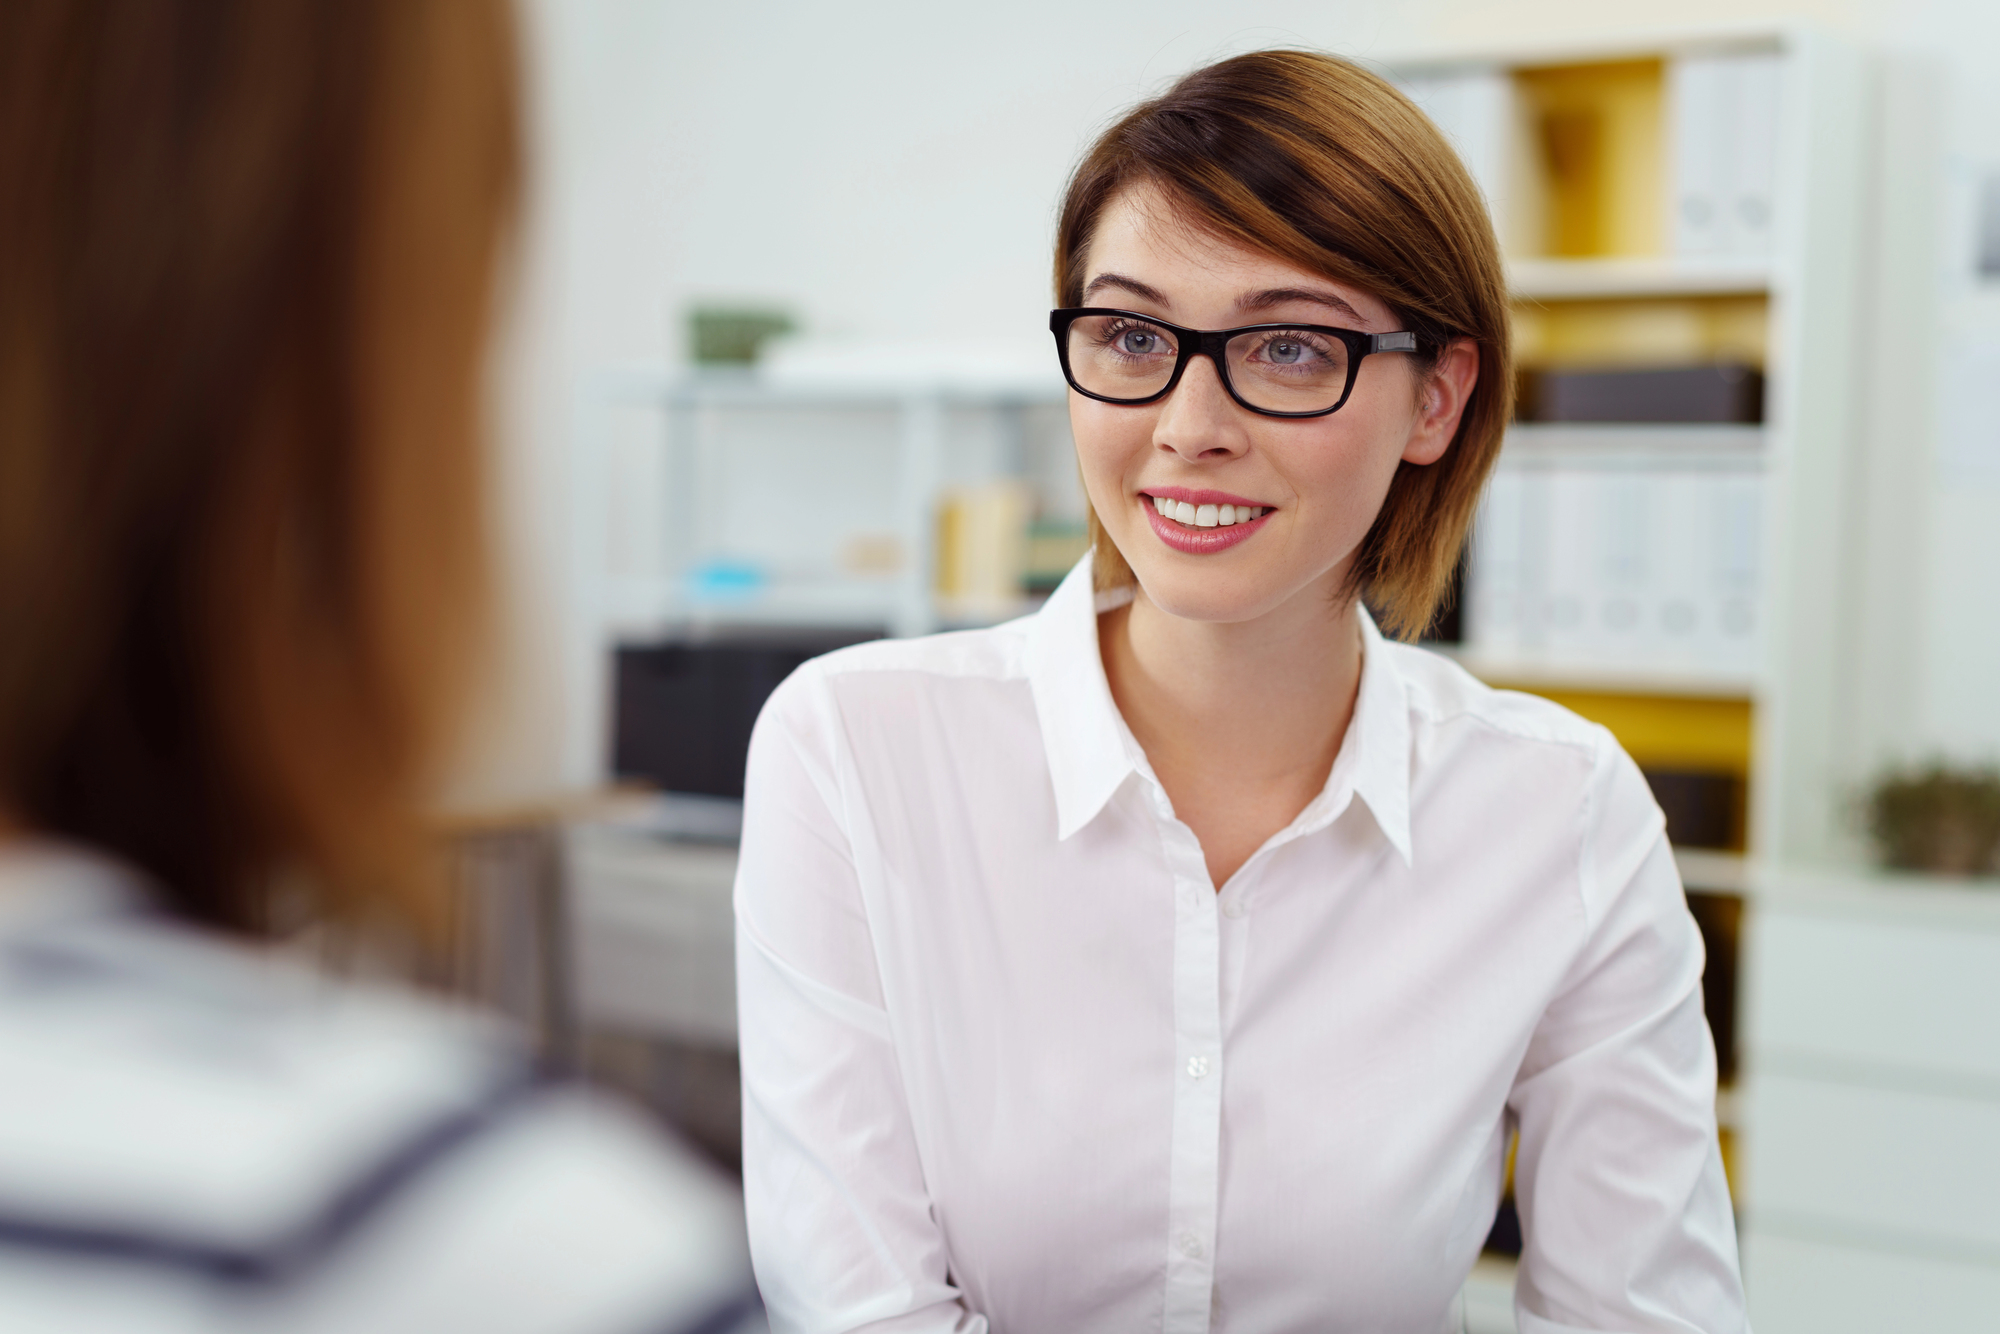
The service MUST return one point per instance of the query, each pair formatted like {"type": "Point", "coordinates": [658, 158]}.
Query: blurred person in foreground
{"type": "Point", "coordinates": [246, 264]}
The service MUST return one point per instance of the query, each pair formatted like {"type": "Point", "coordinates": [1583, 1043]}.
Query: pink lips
{"type": "Point", "coordinates": [1199, 541]}
{"type": "Point", "coordinates": [1192, 497]}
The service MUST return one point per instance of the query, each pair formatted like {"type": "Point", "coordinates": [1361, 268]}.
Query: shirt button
{"type": "Point", "coordinates": [1197, 1066]}
{"type": "Point", "coordinates": [1190, 1245]}
{"type": "Point", "coordinates": [1232, 908]}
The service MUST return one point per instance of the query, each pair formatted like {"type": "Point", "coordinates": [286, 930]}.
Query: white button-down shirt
{"type": "Point", "coordinates": [1012, 1063]}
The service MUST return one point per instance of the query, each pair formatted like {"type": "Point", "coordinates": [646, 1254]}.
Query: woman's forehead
{"type": "Point", "coordinates": [1147, 244]}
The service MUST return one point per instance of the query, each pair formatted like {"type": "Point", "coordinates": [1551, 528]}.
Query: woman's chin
{"type": "Point", "coordinates": [1221, 596]}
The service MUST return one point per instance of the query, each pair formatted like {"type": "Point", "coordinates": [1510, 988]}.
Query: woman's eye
{"type": "Point", "coordinates": [1283, 351]}
{"type": "Point", "coordinates": [1139, 342]}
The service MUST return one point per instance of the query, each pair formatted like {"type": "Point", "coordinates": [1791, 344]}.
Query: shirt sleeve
{"type": "Point", "coordinates": [1625, 1211]}
{"type": "Point", "coordinates": [842, 1233]}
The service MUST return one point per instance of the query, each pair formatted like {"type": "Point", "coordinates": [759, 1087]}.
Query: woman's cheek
{"type": "Point", "coordinates": [1108, 452]}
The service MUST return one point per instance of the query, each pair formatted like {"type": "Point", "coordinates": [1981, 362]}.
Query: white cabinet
{"type": "Point", "coordinates": [1833, 1288]}
{"type": "Point", "coordinates": [1871, 1103]}
{"type": "Point", "coordinates": [652, 934]}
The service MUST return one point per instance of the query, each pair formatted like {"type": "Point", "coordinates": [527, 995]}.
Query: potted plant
{"type": "Point", "coordinates": [1937, 818]}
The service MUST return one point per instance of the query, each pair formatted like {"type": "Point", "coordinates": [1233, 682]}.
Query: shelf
{"type": "Point", "coordinates": [781, 603]}
{"type": "Point", "coordinates": [1970, 903]}
{"type": "Point", "coordinates": [1707, 872]}
{"type": "Point", "coordinates": [647, 611]}
{"type": "Point", "coordinates": [1636, 276]}
{"type": "Point", "coordinates": [1580, 44]}
{"type": "Point", "coordinates": [954, 613]}
{"type": "Point", "coordinates": [1642, 446]}
{"type": "Point", "coordinates": [1857, 891]}
{"type": "Point", "coordinates": [1489, 1296]}
{"type": "Point", "coordinates": [870, 387]}
{"type": "Point", "coordinates": [1538, 675]}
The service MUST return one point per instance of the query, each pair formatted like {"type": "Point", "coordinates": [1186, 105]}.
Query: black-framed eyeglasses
{"type": "Point", "coordinates": [1279, 370]}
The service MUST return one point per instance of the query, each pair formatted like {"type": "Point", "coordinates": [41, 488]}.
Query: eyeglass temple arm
{"type": "Point", "coordinates": [1392, 342]}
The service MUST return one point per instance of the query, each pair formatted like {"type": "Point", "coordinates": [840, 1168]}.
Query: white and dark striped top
{"type": "Point", "coordinates": [197, 1136]}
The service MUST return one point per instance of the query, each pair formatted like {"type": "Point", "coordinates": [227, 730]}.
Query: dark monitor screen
{"type": "Point", "coordinates": [683, 710]}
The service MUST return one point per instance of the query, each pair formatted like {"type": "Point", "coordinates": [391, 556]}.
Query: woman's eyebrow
{"type": "Point", "coordinates": [1278, 296]}
{"type": "Point", "coordinates": [1124, 284]}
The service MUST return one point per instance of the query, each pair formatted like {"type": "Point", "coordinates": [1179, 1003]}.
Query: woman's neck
{"type": "Point", "coordinates": [1241, 721]}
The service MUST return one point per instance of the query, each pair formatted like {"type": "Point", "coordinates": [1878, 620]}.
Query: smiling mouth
{"type": "Point", "coordinates": [1190, 515]}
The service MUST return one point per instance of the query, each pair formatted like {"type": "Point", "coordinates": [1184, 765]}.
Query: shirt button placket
{"type": "Point", "coordinates": [1193, 1188]}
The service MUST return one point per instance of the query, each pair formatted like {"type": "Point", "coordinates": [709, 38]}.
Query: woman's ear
{"type": "Point", "coordinates": [1441, 400]}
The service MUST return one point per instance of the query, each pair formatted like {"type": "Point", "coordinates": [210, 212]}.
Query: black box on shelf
{"type": "Point", "coordinates": [1725, 393]}
{"type": "Point", "coordinates": [682, 711]}
{"type": "Point", "coordinates": [1704, 809]}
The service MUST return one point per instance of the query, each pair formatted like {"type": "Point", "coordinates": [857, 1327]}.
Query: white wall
{"type": "Point", "coordinates": [889, 170]}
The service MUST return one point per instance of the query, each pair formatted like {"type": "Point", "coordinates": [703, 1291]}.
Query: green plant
{"type": "Point", "coordinates": [1937, 818]}
{"type": "Point", "coordinates": [733, 335]}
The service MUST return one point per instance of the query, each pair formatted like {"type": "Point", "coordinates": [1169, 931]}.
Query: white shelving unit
{"type": "Point", "coordinates": [868, 459]}
{"type": "Point", "coordinates": [1865, 1184]}
{"type": "Point", "coordinates": [1803, 458]}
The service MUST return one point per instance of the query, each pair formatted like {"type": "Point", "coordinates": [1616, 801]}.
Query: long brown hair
{"type": "Point", "coordinates": [1318, 162]}
{"type": "Point", "coordinates": [246, 263]}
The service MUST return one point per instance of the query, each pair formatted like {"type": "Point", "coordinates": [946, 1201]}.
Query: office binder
{"type": "Point", "coordinates": [1725, 113]}
{"type": "Point", "coordinates": [1497, 583]}
{"type": "Point", "coordinates": [1754, 162]}
{"type": "Point", "coordinates": [1699, 94]}
{"type": "Point", "coordinates": [1650, 568]}
{"type": "Point", "coordinates": [1476, 110]}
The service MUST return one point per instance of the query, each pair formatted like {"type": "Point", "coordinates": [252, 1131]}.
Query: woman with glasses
{"type": "Point", "coordinates": [1185, 956]}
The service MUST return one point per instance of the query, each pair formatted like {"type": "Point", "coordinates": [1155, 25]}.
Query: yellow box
{"type": "Point", "coordinates": [1658, 331]}
{"type": "Point", "coordinates": [1597, 156]}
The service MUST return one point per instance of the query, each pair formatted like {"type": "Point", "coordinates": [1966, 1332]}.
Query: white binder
{"type": "Point", "coordinates": [1476, 109]}
{"type": "Point", "coordinates": [1754, 161]}
{"type": "Point", "coordinates": [1699, 96]}
{"type": "Point", "coordinates": [1583, 566]}
{"type": "Point", "coordinates": [1724, 111]}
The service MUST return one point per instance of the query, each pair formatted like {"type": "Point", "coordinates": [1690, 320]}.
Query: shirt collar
{"type": "Point", "coordinates": [1091, 754]}
{"type": "Point", "coordinates": [1379, 739]}
{"type": "Point", "coordinates": [1081, 731]}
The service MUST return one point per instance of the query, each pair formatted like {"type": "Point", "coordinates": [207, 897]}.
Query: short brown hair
{"type": "Point", "coordinates": [1320, 163]}
{"type": "Point", "coordinates": [246, 260]}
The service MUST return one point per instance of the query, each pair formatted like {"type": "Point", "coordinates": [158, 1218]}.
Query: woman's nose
{"type": "Point", "coordinates": [1199, 419]}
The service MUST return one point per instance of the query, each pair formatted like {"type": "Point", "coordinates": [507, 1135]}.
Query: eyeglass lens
{"type": "Point", "coordinates": [1280, 370]}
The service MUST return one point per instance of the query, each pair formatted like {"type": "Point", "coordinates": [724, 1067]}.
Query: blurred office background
{"type": "Point", "coordinates": [778, 379]}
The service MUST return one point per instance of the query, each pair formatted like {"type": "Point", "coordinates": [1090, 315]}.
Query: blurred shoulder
{"type": "Point", "coordinates": [209, 1120]}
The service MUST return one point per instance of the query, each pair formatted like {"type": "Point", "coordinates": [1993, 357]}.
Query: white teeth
{"type": "Point", "coordinates": [1206, 516]}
